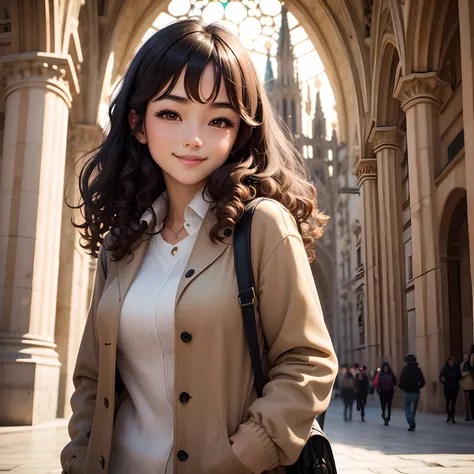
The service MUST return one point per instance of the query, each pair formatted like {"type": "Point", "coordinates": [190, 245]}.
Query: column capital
{"type": "Point", "coordinates": [84, 137]}
{"type": "Point", "coordinates": [387, 137]}
{"type": "Point", "coordinates": [37, 69]}
{"type": "Point", "coordinates": [366, 169]}
{"type": "Point", "coordinates": [421, 87]}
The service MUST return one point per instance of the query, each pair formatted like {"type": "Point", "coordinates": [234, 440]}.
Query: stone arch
{"type": "Point", "coordinates": [456, 275]}
{"type": "Point", "coordinates": [128, 21]}
{"type": "Point", "coordinates": [424, 38]}
{"type": "Point", "coordinates": [386, 109]}
{"type": "Point", "coordinates": [387, 66]}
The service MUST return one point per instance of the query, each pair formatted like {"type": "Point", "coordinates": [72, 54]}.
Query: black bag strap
{"type": "Point", "coordinates": [247, 295]}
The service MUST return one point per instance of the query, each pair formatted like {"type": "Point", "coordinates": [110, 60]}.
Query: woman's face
{"type": "Point", "coordinates": [189, 140]}
{"type": "Point", "coordinates": [385, 368]}
{"type": "Point", "coordinates": [451, 362]}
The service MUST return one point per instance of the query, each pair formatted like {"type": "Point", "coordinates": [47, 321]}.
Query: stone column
{"type": "Point", "coordinates": [76, 266]}
{"type": "Point", "coordinates": [367, 176]}
{"type": "Point", "coordinates": [421, 95]}
{"type": "Point", "coordinates": [387, 145]}
{"type": "Point", "coordinates": [38, 98]}
{"type": "Point", "coordinates": [466, 25]}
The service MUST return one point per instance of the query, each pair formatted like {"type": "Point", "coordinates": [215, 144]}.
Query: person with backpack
{"type": "Point", "coordinates": [412, 381]}
{"type": "Point", "coordinates": [348, 393]}
{"type": "Point", "coordinates": [385, 383]}
{"type": "Point", "coordinates": [163, 377]}
{"type": "Point", "coordinates": [450, 376]}
{"type": "Point", "coordinates": [467, 385]}
{"type": "Point", "coordinates": [361, 390]}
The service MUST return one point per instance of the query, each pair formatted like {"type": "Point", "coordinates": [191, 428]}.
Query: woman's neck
{"type": "Point", "coordinates": [179, 197]}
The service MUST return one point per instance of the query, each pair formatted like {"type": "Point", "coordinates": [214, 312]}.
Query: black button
{"type": "Point", "coordinates": [182, 455]}
{"type": "Point", "coordinates": [184, 397]}
{"type": "Point", "coordinates": [106, 403]}
{"type": "Point", "coordinates": [186, 337]}
{"type": "Point", "coordinates": [102, 462]}
{"type": "Point", "coordinates": [189, 273]}
{"type": "Point", "coordinates": [227, 232]}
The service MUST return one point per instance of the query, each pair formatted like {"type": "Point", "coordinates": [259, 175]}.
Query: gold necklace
{"type": "Point", "coordinates": [175, 234]}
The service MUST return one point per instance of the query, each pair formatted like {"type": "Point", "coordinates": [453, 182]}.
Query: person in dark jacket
{"type": "Point", "coordinates": [450, 376]}
{"type": "Point", "coordinates": [385, 383]}
{"type": "Point", "coordinates": [412, 381]}
{"type": "Point", "coordinates": [348, 393]}
{"type": "Point", "coordinates": [362, 390]}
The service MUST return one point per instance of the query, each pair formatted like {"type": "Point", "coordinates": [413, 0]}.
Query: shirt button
{"type": "Point", "coordinates": [189, 273]}
{"type": "Point", "coordinates": [102, 462]}
{"type": "Point", "coordinates": [184, 397]}
{"type": "Point", "coordinates": [106, 403]}
{"type": "Point", "coordinates": [182, 455]}
{"type": "Point", "coordinates": [227, 232]}
{"type": "Point", "coordinates": [186, 337]}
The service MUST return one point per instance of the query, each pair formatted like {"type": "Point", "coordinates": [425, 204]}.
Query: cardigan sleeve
{"type": "Point", "coordinates": [85, 376]}
{"type": "Point", "coordinates": [302, 359]}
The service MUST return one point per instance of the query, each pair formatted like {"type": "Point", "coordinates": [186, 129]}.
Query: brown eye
{"type": "Point", "coordinates": [221, 123]}
{"type": "Point", "coordinates": [168, 115]}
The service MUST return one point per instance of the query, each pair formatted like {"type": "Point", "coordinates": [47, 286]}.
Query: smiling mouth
{"type": "Point", "coordinates": [189, 157]}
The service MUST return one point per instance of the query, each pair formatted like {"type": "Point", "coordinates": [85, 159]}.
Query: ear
{"type": "Point", "coordinates": [133, 119]}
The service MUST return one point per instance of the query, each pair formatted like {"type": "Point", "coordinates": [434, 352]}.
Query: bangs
{"type": "Point", "coordinates": [193, 52]}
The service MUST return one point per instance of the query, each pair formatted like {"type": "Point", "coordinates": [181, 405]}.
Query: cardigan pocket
{"type": "Point", "coordinates": [232, 464]}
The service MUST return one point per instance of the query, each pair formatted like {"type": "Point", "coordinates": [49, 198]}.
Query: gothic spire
{"type": "Point", "coordinates": [286, 72]}
{"type": "Point", "coordinates": [319, 128]}
{"type": "Point", "coordinates": [269, 77]}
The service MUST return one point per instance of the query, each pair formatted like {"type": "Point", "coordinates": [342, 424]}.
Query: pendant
{"type": "Point", "coordinates": [176, 237]}
{"type": "Point", "coordinates": [174, 251]}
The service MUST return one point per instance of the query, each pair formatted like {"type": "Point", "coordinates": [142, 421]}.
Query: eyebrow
{"type": "Point", "coordinates": [185, 100]}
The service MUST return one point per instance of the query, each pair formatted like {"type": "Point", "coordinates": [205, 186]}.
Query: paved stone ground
{"type": "Point", "coordinates": [360, 448]}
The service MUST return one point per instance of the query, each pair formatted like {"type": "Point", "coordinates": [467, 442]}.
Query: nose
{"type": "Point", "coordinates": [193, 141]}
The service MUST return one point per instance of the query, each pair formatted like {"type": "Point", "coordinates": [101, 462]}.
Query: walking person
{"type": "Point", "coordinates": [361, 390]}
{"type": "Point", "coordinates": [450, 376]}
{"type": "Point", "coordinates": [163, 378]}
{"type": "Point", "coordinates": [467, 385]}
{"type": "Point", "coordinates": [385, 383]}
{"type": "Point", "coordinates": [412, 381]}
{"type": "Point", "coordinates": [348, 393]}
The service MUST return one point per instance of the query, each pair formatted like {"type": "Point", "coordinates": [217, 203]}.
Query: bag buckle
{"type": "Point", "coordinates": [247, 297]}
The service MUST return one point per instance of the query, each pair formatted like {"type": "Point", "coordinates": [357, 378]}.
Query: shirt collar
{"type": "Point", "coordinates": [194, 213]}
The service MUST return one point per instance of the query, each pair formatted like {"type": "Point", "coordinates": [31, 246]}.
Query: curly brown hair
{"type": "Point", "coordinates": [120, 180]}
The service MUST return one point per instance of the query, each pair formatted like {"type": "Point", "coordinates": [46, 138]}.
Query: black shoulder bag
{"type": "Point", "coordinates": [316, 456]}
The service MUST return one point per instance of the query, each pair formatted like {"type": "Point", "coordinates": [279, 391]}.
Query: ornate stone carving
{"type": "Point", "coordinates": [421, 87]}
{"type": "Point", "coordinates": [53, 71]}
{"type": "Point", "coordinates": [387, 137]}
{"type": "Point", "coordinates": [367, 169]}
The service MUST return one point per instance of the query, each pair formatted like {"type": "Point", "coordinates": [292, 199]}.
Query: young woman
{"type": "Point", "coordinates": [450, 376]}
{"type": "Point", "coordinates": [385, 383]}
{"type": "Point", "coordinates": [163, 377]}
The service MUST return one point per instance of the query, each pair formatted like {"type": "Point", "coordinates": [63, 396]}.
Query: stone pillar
{"type": "Point", "coordinates": [421, 95]}
{"type": "Point", "coordinates": [387, 145]}
{"type": "Point", "coordinates": [76, 266]}
{"type": "Point", "coordinates": [367, 176]}
{"type": "Point", "coordinates": [38, 98]}
{"type": "Point", "coordinates": [466, 25]}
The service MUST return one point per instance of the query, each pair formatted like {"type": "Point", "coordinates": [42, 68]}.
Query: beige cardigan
{"type": "Point", "coordinates": [212, 365]}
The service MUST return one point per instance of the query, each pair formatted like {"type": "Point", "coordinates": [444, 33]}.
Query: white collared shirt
{"type": "Point", "coordinates": [143, 430]}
